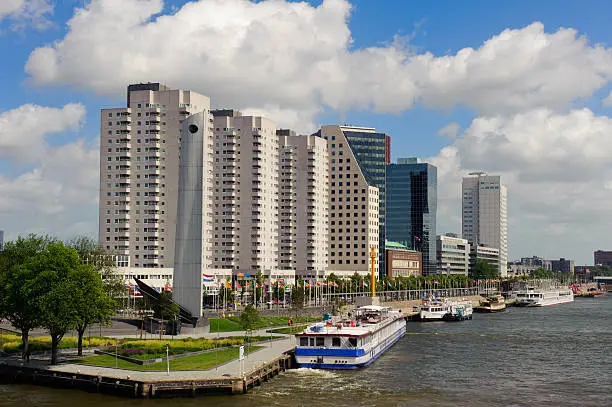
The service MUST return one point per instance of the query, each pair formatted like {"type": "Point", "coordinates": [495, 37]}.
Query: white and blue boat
{"type": "Point", "coordinates": [350, 343]}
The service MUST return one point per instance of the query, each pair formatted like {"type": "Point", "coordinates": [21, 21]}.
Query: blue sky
{"type": "Point", "coordinates": [442, 28]}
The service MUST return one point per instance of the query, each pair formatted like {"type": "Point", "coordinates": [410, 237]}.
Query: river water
{"type": "Point", "coordinates": [555, 356]}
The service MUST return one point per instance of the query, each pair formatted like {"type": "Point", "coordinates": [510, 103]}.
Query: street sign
{"type": "Point", "coordinates": [241, 353]}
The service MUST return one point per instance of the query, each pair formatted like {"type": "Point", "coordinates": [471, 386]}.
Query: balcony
{"type": "Point", "coordinates": [123, 233]}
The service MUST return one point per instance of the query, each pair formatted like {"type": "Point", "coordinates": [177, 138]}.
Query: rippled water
{"type": "Point", "coordinates": [556, 356]}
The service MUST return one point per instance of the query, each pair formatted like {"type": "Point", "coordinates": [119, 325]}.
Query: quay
{"type": "Point", "coordinates": [257, 367]}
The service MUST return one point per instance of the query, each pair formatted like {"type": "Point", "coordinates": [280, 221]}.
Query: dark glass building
{"type": "Point", "coordinates": [411, 204]}
{"type": "Point", "coordinates": [372, 151]}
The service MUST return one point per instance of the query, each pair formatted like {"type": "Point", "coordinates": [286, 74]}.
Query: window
{"type": "Point", "coordinates": [303, 341]}
{"type": "Point", "coordinates": [353, 342]}
{"type": "Point", "coordinates": [335, 342]}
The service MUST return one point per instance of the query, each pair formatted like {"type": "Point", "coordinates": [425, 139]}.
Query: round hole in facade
{"type": "Point", "coordinates": [193, 128]}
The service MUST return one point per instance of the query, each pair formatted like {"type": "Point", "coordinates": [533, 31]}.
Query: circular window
{"type": "Point", "coordinates": [193, 128]}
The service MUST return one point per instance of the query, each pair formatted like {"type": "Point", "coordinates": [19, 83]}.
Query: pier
{"type": "Point", "coordinates": [234, 377]}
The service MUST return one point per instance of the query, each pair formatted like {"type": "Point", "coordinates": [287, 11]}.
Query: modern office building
{"type": "Point", "coordinates": [303, 204]}
{"type": "Point", "coordinates": [246, 193]}
{"type": "Point", "coordinates": [139, 170]}
{"type": "Point", "coordinates": [356, 165]}
{"type": "Point", "coordinates": [601, 257]}
{"type": "Point", "coordinates": [453, 254]}
{"type": "Point", "coordinates": [563, 265]}
{"type": "Point", "coordinates": [484, 214]}
{"type": "Point", "coordinates": [402, 261]}
{"type": "Point", "coordinates": [411, 208]}
{"type": "Point", "coordinates": [489, 254]}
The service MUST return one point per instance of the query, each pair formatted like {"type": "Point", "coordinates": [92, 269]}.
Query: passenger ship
{"type": "Point", "coordinates": [350, 343]}
{"type": "Point", "coordinates": [541, 298]}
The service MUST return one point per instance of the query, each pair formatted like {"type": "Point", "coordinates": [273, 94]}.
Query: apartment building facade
{"type": "Point", "coordinates": [303, 205]}
{"type": "Point", "coordinates": [139, 166]}
{"type": "Point", "coordinates": [485, 214]}
{"type": "Point", "coordinates": [354, 208]}
{"type": "Point", "coordinates": [453, 255]}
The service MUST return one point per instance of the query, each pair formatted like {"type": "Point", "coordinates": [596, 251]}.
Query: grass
{"type": "Point", "coordinates": [232, 323]}
{"type": "Point", "coordinates": [290, 330]}
{"type": "Point", "coordinates": [12, 343]}
{"type": "Point", "coordinates": [202, 361]}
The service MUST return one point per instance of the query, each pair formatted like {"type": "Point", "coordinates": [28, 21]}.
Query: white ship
{"type": "Point", "coordinates": [352, 342]}
{"type": "Point", "coordinates": [440, 309]}
{"type": "Point", "coordinates": [543, 297]}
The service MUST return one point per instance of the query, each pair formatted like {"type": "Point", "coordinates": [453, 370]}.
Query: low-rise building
{"type": "Point", "coordinates": [489, 254]}
{"type": "Point", "coordinates": [453, 255]}
{"type": "Point", "coordinates": [401, 261]}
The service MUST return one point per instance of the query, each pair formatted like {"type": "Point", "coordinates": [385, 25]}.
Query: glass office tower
{"type": "Point", "coordinates": [372, 151]}
{"type": "Point", "coordinates": [411, 204]}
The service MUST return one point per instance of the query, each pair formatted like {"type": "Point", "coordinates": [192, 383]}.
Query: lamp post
{"type": "Point", "coordinates": [167, 359]}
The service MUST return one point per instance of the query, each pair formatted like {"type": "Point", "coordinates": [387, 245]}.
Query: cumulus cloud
{"type": "Point", "coordinates": [449, 131]}
{"type": "Point", "coordinates": [607, 101]}
{"type": "Point", "coordinates": [557, 168]}
{"type": "Point", "coordinates": [60, 194]}
{"type": "Point", "coordinates": [300, 57]}
{"type": "Point", "coordinates": [24, 130]}
{"type": "Point", "coordinates": [26, 12]}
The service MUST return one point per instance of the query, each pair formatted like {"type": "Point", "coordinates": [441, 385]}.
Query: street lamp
{"type": "Point", "coordinates": [167, 359]}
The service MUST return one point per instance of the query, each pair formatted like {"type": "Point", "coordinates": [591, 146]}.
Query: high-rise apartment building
{"type": "Point", "coordinates": [453, 255]}
{"type": "Point", "coordinates": [139, 167]}
{"type": "Point", "coordinates": [246, 186]}
{"type": "Point", "coordinates": [484, 214]}
{"type": "Point", "coordinates": [411, 208]}
{"type": "Point", "coordinates": [354, 200]}
{"type": "Point", "coordinates": [303, 204]}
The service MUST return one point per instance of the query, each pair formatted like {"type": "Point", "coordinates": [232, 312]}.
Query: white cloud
{"type": "Point", "coordinates": [449, 131]}
{"type": "Point", "coordinates": [26, 12]}
{"type": "Point", "coordinates": [557, 168]}
{"type": "Point", "coordinates": [24, 130]}
{"type": "Point", "coordinates": [607, 101]}
{"type": "Point", "coordinates": [60, 195]}
{"type": "Point", "coordinates": [299, 57]}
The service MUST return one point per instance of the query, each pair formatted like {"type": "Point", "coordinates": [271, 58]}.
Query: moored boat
{"type": "Point", "coordinates": [459, 310]}
{"type": "Point", "coordinates": [350, 343]}
{"type": "Point", "coordinates": [494, 303]}
{"type": "Point", "coordinates": [432, 310]}
{"type": "Point", "coordinates": [543, 297]}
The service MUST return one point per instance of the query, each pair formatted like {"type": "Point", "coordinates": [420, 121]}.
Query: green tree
{"type": "Point", "coordinates": [91, 252]}
{"type": "Point", "coordinates": [543, 274]}
{"type": "Point", "coordinates": [249, 317]}
{"type": "Point", "coordinates": [93, 303]}
{"type": "Point", "coordinates": [19, 292]}
{"type": "Point", "coordinates": [483, 270]}
{"type": "Point", "coordinates": [56, 269]}
{"type": "Point", "coordinates": [298, 297]}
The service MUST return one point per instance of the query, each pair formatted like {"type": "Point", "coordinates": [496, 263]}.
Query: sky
{"type": "Point", "coordinates": [521, 89]}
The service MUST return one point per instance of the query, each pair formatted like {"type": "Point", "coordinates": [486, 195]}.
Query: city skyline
{"type": "Point", "coordinates": [477, 93]}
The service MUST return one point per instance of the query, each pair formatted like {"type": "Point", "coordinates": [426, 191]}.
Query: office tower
{"type": "Point", "coordinates": [484, 214]}
{"type": "Point", "coordinates": [354, 199]}
{"type": "Point", "coordinates": [139, 167]}
{"type": "Point", "coordinates": [194, 224]}
{"type": "Point", "coordinates": [246, 193]}
{"type": "Point", "coordinates": [600, 257]}
{"type": "Point", "coordinates": [411, 208]}
{"type": "Point", "coordinates": [303, 204]}
{"type": "Point", "coordinates": [453, 255]}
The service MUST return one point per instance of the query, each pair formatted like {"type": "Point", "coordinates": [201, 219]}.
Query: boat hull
{"type": "Point", "coordinates": [330, 360]}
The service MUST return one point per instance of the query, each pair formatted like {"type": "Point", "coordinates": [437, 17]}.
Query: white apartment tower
{"type": "Point", "coordinates": [353, 209]}
{"type": "Point", "coordinates": [246, 193]}
{"type": "Point", "coordinates": [485, 214]}
{"type": "Point", "coordinates": [139, 167]}
{"type": "Point", "coordinates": [303, 204]}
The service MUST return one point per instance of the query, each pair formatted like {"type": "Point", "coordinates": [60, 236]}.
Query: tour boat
{"type": "Point", "coordinates": [543, 297]}
{"type": "Point", "coordinates": [350, 343]}
{"type": "Point", "coordinates": [459, 310]}
{"type": "Point", "coordinates": [433, 310]}
{"type": "Point", "coordinates": [495, 303]}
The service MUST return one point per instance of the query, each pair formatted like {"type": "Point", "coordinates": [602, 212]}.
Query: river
{"type": "Point", "coordinates": [555, 356]}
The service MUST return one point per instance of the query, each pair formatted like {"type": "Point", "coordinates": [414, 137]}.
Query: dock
{"type": "Point", "coordinates": [230, 378]}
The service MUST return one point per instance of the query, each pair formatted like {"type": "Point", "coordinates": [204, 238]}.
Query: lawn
{"type": "Point", "coordinates": [202, 361]}
{"type": "Point", "coordinates": [290, 330]}
{"type": "Point", "coordinates": [232, 323]}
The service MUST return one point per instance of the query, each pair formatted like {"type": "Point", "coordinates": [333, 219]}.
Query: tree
{"type": "Point", "coordinates": [94, 305]}
{"type": "Point", "coordinates": [249, 317]}
{"type": "Point", "coordinates": [297, 298]}
{"type": "Point", "coordinates": [483, 270]}
{"type": "Point", "coordinates": [19, 292]}
{"type": "Point", "coordinates": [56, 269]}
{"type": "Point", "coordinates": [164, 307]}
{"type": "Point", "coordinates": [91, 252]}
{"type": "Point", "coordinates": [542, 274]}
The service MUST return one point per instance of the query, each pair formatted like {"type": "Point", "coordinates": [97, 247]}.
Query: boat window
{"type": "Point", "coordinates": [303, 341]}
{"type": "Point", "coordinates": [336, 342]}
{"type": "Point", "coordinates": [312, 341]}
{"type": "Point", "coordinates": [353, 342]}
{"type": "Point", "coordinates": [320, 341]}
